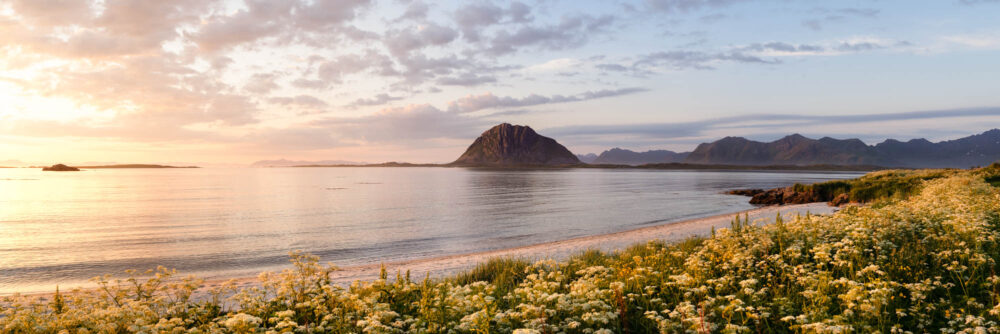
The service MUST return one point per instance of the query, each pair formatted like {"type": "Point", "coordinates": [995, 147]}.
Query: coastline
{"type": "Point", "coordinates": [438, 267]}
{"type": "Point", "coordinates": [442, 266]}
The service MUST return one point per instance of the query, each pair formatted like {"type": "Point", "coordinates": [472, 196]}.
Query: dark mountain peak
{"type": "Point", "coordinates": [510, 131]}
{"type": "Point", "coordinates": [511, 145]}
{"type": "Point", "coordinates": [854, 142]}
{"type": "Point", "coordinates": [995, 133]}
{"type": "Point", "coordinates": [731, 139]}
{"type": "Point", "coordinates": [892, 143]}
{"type": "Point", "coordinates": [794, 137]}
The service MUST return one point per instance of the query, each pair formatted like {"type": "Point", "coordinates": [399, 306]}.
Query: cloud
{"type": "Point", "coordinates": [403, 41]}
{"type": "Point", "coordinates": [406, 125]}
{"type": "Point", "coordinates": [324, 73]}
{"type": "Point", "coordinates": [782, 47]}
{"type": "Point", "coordinates": [299, 100]}
{"type": "Point", "coordinates": [748, 123]}
{"type": "Point", "coordinates": [466, 79]}
{"type": "Point", "coordinates": [416, 11]}
{"type": "Point", "coordinates": [680, 6]}
{"type": "Point", "coordinates": [837, 15]}
{"type": "Point", "coordinates": [53, 12]}
{"type": "Point", "coordinates": [979, 41]}
{"type": "Point", "coordinates": [474, 103]}
{"type": "Point", "coordinates": [681, 60]}
{"type": "Point", "coordinates": [610, 67]}
{"type": "Point", "coordinates": [713, 18]}
{"type": "Point", "coordinates": [859, 46]}
{"type": "Point", "coordinates": [261, 83]}
{"type": "Point", "coordinates": [472, 19]}
{"type": "Point", "coordinates": [285, 21]}
{"type": "Point", "coordinates": [77, 29]}
{"type": "Point", "coordinates": [377, 100]}
{"type": "Point", "coordinates": [570, 32]}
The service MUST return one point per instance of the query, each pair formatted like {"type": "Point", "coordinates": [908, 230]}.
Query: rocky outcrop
{"type": "Point", "coordinates": [507, 145]}
{"type": "Point", "coordinates": [745, 192]}
{"type": "Point", "coordinates": [60, 168]}
{"type": "Point", "coordinates": [788, 195]}
{"type": "Point", "coordinates": [780, 196]}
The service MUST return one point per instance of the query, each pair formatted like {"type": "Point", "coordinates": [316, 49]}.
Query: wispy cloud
{"type": "Point", "coordinates": [474, 103]}
{"type": "Point", "coordinates": [748, 123]}
{"type": "Point", "coordinates": [829, 15]}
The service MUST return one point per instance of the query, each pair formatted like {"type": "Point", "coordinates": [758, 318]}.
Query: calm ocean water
{"type": "Point", "coordinates": [64, 228]}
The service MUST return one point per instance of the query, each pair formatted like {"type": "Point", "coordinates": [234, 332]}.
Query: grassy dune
{"type": "Point", "coordinates": [921, 259]}
{"type": "Point", "coordinates": [891, 184]}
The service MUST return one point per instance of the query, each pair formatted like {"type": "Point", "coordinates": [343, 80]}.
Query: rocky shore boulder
{"type": "Point", "coordinates": [788, 195]}
{"type": "Point", "coordinates": [60, 168]}
{"type": "Point", "coordinates": [507, 145]}
{"type": "Point", "coordinates": [779, 196]}
{"type": "Point", "coordinates": [745, 192]}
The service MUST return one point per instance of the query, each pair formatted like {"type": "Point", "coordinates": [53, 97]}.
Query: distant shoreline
{"type": "Point", "coordinates": [657, 166]}
{"type": "Point", "coordinates": [133, 166]}
{"type": "Point", "coordinates": [122, 166]}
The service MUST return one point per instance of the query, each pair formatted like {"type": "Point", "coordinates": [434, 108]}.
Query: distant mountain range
{"type": "Point", "coordinates": [291, 163]}
{"type": "Point", "coordinates": [618, 156]}
{"type": "Point", "coordinates": [515, 145]}
{"type": "Point", "coordinates": [975, 150]}
{"type": "Point", "coordinates": [507, 145]}
{"type": "Point", "coordinates": [587, 158]}
{"type": "Point", "coordinates": [797, 150]}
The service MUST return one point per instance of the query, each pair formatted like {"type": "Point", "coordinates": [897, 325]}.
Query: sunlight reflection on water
{"type": "Point", "coordinates": [67, 227]}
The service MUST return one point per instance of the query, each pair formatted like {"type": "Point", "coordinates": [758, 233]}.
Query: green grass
{"type": "Point", "coordinates": [877, 186]}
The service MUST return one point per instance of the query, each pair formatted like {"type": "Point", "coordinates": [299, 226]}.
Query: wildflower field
{"type": "Point", "coordinates": [921, 263]}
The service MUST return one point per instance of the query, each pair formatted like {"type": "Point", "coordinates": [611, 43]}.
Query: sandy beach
{"type": "Point", "coordinates": [671, 231]}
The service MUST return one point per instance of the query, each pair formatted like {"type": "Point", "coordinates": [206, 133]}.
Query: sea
{"type": "Point", "coordinates": [64, 228]}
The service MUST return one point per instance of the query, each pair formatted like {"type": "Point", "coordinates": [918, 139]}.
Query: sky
{"type": "Point", "coordinates": [232, 82]}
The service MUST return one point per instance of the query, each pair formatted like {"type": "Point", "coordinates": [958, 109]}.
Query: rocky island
{"type": "Point", "coordinates": [60, 168]}
{"type": "Point", "coordinates": [507, 145]}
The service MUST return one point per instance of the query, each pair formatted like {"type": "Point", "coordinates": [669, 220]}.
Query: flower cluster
{"type": "Point", "coordinates": [927, 263]}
